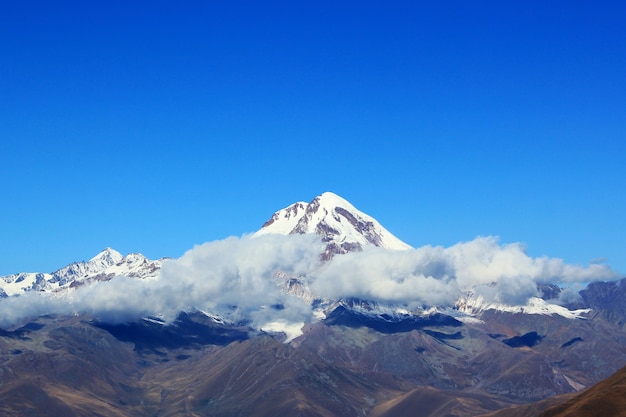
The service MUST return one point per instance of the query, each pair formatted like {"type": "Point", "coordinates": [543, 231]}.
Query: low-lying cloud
{"type": "Point", "coordinates": [236, 277]}
{"type": "Point", "coordinates": [231, 277]}
{"type": "Point", "coordinates": [438, 276]}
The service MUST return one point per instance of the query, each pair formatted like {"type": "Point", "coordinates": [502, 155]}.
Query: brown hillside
{"type": "Point", "coordinates": [606, 398]}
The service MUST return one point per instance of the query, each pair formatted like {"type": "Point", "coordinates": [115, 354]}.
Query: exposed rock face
{"type": "Point", "coordinates": [607, 300]}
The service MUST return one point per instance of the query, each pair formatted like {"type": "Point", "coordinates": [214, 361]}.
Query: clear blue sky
{"type": "Point", "coordinates": [151, 126]}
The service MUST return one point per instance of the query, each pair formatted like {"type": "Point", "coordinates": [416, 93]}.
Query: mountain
{"type": "Point", "coordinates": [342, 227]}
{"type": "Point", "coordinates": [353, 357]}
{"type": "Point", "coordinates": [106, 265]}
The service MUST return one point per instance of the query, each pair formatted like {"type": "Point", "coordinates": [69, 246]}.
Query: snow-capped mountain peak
{"type": "Point", "coordinates": [341, 226]}
{"type": "Point", "coordinates": [106, 265]}
{"type": "Point", "coordinates": [106, 258]}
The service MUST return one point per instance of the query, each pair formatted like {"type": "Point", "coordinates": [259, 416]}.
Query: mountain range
{"type": "Point", "coordinates": [344, 354]}
{"type": "Point", "coordinates": [106, 265]}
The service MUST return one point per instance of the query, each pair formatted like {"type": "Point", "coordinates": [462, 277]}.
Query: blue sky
{"type": "Point", "coordinates": [151, 127]}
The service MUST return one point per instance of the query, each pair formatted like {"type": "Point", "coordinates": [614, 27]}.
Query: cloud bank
{"type": "Point", "coordinates": [438, 276]}
{"type": "Point", "coordinates": [236, 277]}
{"type": "Point", "coordinates": [232, 277]}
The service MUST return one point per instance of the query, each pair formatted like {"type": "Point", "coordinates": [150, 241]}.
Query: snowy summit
{"type": "Point", "coordinates": [342, 227]}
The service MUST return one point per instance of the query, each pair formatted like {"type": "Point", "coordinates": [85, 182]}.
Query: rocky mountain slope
{"type": "Point", "coordinates": [606, 398]}
{"type": "Point", "coordinates": [196, 366]}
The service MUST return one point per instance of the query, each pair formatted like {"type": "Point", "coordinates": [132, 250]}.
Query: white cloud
{"type": "Point", "coordinates": [214, 276]}
{"type": "Point", "coordinates": [240, 272]}
{"type": "Point", "coordinates": [438, 276]}
{"type": "Point", "coordinates": [420, 275]}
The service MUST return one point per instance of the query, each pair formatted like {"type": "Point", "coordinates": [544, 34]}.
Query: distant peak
{"type": "Point", "coordinates": [108, 254]}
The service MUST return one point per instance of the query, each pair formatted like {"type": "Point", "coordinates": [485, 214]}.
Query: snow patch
{"type": "Point", "coordinates": [291, 330]}
{"type": "Point", "coordinates": [535, 305]}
